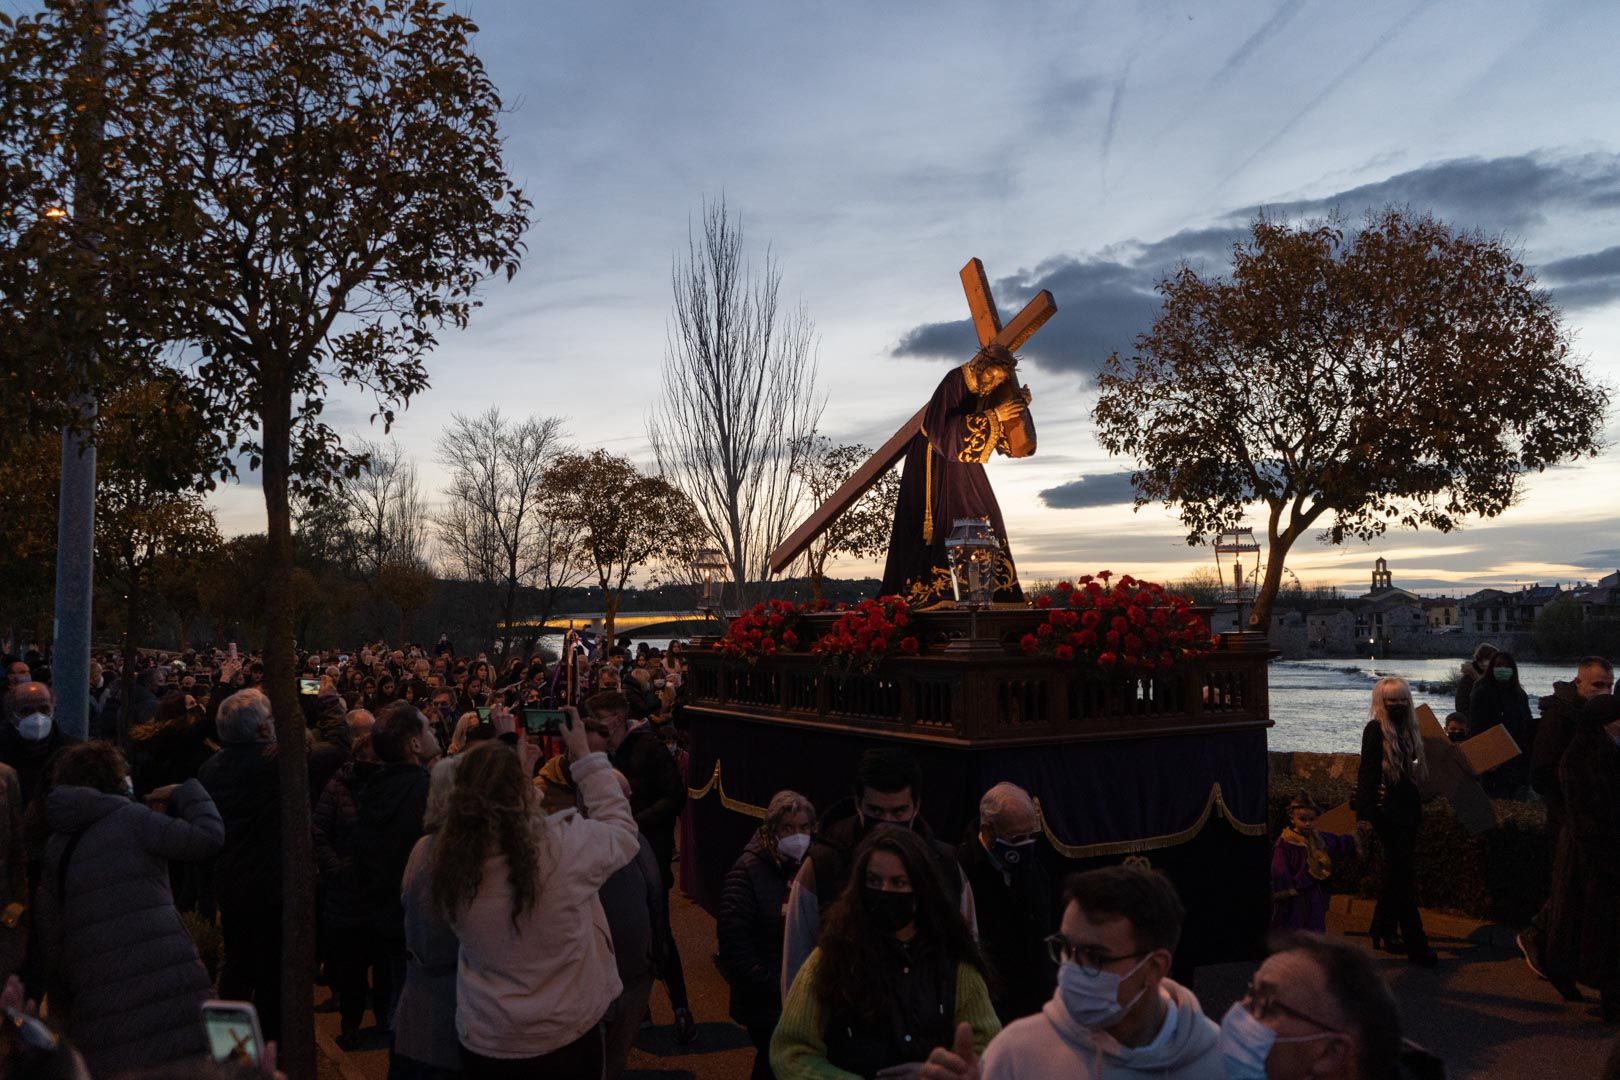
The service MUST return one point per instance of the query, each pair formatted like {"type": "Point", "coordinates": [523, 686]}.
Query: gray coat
{"type": "Point", "coordinates": [129, 969]}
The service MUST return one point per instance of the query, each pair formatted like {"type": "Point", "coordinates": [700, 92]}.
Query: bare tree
{"type": "Point", "coordinates": [498, 527]}
{"type": "Point", "coordinates": [862, 531]}
{"type": "Point", "coordinates": [387, 516]}
{"type": "Point", "coordinates": [739, 397]}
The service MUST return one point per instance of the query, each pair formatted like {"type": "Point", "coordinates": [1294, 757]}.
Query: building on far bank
{"type": "Point", "coordinates": [1494, 611]}
{"type": "Point", "coordinates": [1441, 613]}
{"type": "Point", "coordinates": [1383, 585]}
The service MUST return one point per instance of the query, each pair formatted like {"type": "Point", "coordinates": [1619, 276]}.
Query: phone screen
{"type": "Point", "coordinates": [543, 721]}
{"type": "Point", "coordinates": [483, 712]}
{"type": "Point", "coordinates": [233, 1031]}
{"type": "Point", "coordinates": [309, 686]}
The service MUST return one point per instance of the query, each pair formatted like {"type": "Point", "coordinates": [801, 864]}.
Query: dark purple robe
{"type": "Point", "coordinates": [944, 479]}
{"type": "Point", "coordinates": [1298, 900]}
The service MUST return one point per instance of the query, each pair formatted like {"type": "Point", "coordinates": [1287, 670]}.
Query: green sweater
{"type": "Point", "coordinates": [799, 1046]}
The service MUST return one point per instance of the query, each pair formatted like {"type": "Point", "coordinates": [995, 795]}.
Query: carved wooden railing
{"type": "Point", "coordinates": [1001, 699]}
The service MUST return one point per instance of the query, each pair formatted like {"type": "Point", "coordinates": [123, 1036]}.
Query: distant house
{"type": "Point", "coordinates": [1331, 629]}
{"type": "Point", "coordinates": [1441, 614]}
{"type": "Point", "coordinates": [1391, 618]}
{"type": "Point", "coordinates": [1494, 611]}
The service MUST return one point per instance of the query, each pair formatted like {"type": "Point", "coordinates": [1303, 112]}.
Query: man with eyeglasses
{"type": "Point", "coordinates": [1319, 1009]}
{"type": "Point", "coordinates": [1560, 715]}
{"type": "Point", "coordinates": [1116, 1012]}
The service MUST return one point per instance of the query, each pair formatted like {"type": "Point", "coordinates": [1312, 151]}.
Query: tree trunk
{"type": "Point", "coordinates": [1277, 547]}
{"type": "Point", "coordinates": [297, 1049]}
{"type": "Point", "coordinates": [610, 610]}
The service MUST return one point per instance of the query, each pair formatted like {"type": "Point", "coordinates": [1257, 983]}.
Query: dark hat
{"type": "Point", "coordinates": [1603, 709]}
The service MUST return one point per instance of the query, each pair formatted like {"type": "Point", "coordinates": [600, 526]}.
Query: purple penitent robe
{"type": "Point", "coordinates": [1300, 868]}
{"type": "Point", "coordinates": [944, 479]}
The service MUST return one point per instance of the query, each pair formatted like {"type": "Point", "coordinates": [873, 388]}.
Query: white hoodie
{"type": "Point", "coordinates": [1051, 1044]}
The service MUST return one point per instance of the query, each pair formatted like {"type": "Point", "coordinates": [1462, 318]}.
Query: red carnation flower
{"type": "Point", "coordinates": [1044, 630]}
{"type": "Point", "coordinates": [909, 645]}
{"type": "Point", "coordinates": [1088, 638]}
{"type": "Point", "coordinates": [790, 639]}
{"type": "Point", "coordinates": [1043, 601]}
{"type": "Point", "coordinates": [1064, 586]}
{"type": "Point", "coordinates": [1107, 659]}
{"type": "Point", "coordinates": [1090, 619]}
{"type": "Point", "coordinates": [1029, 643]}
{"type": "Point", "coordinates": [767, 646]}
{"type": "Point", "coordinates": [1063, 652]}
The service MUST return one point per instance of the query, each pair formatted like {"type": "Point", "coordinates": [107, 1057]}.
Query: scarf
{"type": "Point", "coordinates": [1318, 863]}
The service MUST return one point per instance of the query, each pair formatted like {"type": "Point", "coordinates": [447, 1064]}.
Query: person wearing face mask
{"type": "Point", "coordinates": [894, 975]}
{"type": "Point", "coordinates": [30, 736]}
{"type": "Point", "coordinates": [1499, 699]}
{"type": "Point", "coordinates": [1115, 1014]}
{"type": "Point", "coordinates": [750, 922]}
{"type": "Point", "coordinates": [887, 785]}
{"type": "Point", "coordinates": [1013, 899]}
{"type": "Point", "coordinates": [1319, 1010]}
{"type": "Point", "coordinates": [1387, 801]}
{"type": "Point", "coordinates": [1583, 936]}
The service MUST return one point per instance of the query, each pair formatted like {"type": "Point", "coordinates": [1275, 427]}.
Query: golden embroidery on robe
{"type": "Point", "coordinates": [982, 438]}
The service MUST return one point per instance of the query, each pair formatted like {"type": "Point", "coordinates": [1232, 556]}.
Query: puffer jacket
{"type": "Point", "coordinates": [123, 964]}
{"type": "Point", "coordinates": [343, 903]}
{"type": "Point", "coordinates": [750, 925]}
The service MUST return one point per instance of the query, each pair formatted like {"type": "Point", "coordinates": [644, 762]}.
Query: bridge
{"type": "Point", "coordinates": [634, 623]}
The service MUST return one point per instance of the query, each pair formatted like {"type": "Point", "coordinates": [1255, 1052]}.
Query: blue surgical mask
{"type": "Point", "coordinates": [1093, 1000]}
{"type": "Point", "coordinates": [35, 727]}
{"type": "Point", "coordinates": [1246, 1043]}
{"type": "Point", "coordinates": [1504, 674]}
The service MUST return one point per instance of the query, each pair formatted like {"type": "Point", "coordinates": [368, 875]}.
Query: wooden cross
{"type": "Point", "coordinates": [987, 324]}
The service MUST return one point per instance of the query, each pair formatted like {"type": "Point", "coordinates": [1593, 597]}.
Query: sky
{"type": "Point", "coordinates": [1083, 148]}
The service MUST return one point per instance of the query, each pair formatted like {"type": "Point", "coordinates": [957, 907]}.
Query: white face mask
{"type": "Point", "coordinates": [794, 847]}
{"type": "Point", "coordinates": [1246, 1043]}
{"type": "Point", "coordinates": [35, 726]}
{"type": "Point", "coordinates": [1093, 999]}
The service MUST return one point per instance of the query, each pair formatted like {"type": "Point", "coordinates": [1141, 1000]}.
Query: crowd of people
{"type": "Point", "coordinates": [496, 894]}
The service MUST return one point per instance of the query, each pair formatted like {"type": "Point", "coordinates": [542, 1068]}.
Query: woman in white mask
{"type": "Point", "coordinates": [750, 922]}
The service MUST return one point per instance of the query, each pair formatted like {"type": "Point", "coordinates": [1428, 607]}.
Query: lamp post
{"type": "Point", "coordinates": [1232, 546]}
{"type": "Point", "coordinates": [709, 564]}
{"type": "Point", "coordinates": [972, 548]}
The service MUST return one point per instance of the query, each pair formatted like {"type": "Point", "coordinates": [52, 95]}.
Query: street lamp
{"type": "Point", "coordinates": [708, 564]}
{"type": "Point", "coordinates": [1231, 547]}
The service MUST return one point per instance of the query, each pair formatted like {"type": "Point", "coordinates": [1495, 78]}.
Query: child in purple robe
{"type": "Point", "coordinates": [1301, 865]}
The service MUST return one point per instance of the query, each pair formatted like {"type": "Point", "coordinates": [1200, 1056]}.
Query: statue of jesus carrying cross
{"type": "Point", "coordinates": [977, 410]}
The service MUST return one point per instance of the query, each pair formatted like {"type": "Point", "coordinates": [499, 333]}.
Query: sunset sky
{"type": "Point", "coordinates": [1081, 148]}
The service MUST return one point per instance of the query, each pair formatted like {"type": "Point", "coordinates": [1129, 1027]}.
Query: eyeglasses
{"type": "Point", "coordinates": [1262, 1003]}
{"type": "Point", "coordinates": [1090, 958]}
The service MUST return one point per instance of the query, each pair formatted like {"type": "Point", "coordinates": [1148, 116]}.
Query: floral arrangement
{"type": "Point", "coordinates": [866, 633]}
{"type": "Point", "coordinates": [765, 629]}
{"type": "Point", "coordinates": [1124, 625]}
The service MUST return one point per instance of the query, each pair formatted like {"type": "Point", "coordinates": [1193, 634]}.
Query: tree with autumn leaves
{"type": "Point", "coordinates": [1407, 374]}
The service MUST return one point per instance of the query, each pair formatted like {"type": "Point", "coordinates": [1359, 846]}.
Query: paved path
{"type": "Point", "coordinates": [1481, 1010]}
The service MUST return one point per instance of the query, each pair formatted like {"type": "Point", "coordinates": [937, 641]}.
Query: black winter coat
{"type": "Point", "coordinates": [1584, 920]}
{"type": "Point", "coordinates": [388, 824]}
{"type": "Point", "coordinates": [30, 758]}
{"type": "Point", "coordinates": [657, 792]}
{"type": "Point", "coordinates": [127, 966]}
{"type": "Point", "coordinates": [168, 753]}
{"type": "Point", "coordinates": [1560, 712]}
{"type": "Point", "coordinates": [1015, 920]}
{"type": "Point", "coordinates": [840, 833]}
{"type": "Point", "coordinates": [1506, 704]}
{"type": "Point", "coordinates": [750, 925]}
{"type": "Point", "coordinates": [244, 783]}
{"type": "Point", "coordinates": [1398, 805]}
{"type": "Point", "coordinates": [343, 904]}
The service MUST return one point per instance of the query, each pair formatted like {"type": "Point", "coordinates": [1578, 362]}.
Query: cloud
{"type": "Point", "coordinates": [1103, 489]}
{"type": "Point", "coordinates": [1584, 281]}
{"type": "Point", "coordinates": [1108, 298]}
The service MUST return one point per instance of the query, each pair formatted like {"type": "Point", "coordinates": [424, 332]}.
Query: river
{"type": "Point", "coordinates": [1321, 705]}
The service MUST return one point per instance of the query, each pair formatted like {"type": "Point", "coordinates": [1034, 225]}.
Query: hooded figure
{"type": "Point", "coordinates": [1583, 939]}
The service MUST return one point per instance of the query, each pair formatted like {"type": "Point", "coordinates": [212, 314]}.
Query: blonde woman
{"type": "Point", "coordinates": [1387, 801]}
{"type": "Point", "coordinates": [463, 730]}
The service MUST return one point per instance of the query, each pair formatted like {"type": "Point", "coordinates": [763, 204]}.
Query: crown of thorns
{"type": "Point", "coordinates": [996, 356]}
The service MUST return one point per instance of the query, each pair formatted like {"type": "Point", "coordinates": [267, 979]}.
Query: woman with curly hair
{"type": "Point", "coordinates": [536, 969]}
{"type": "Point", "coordinates": [894, 974]}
